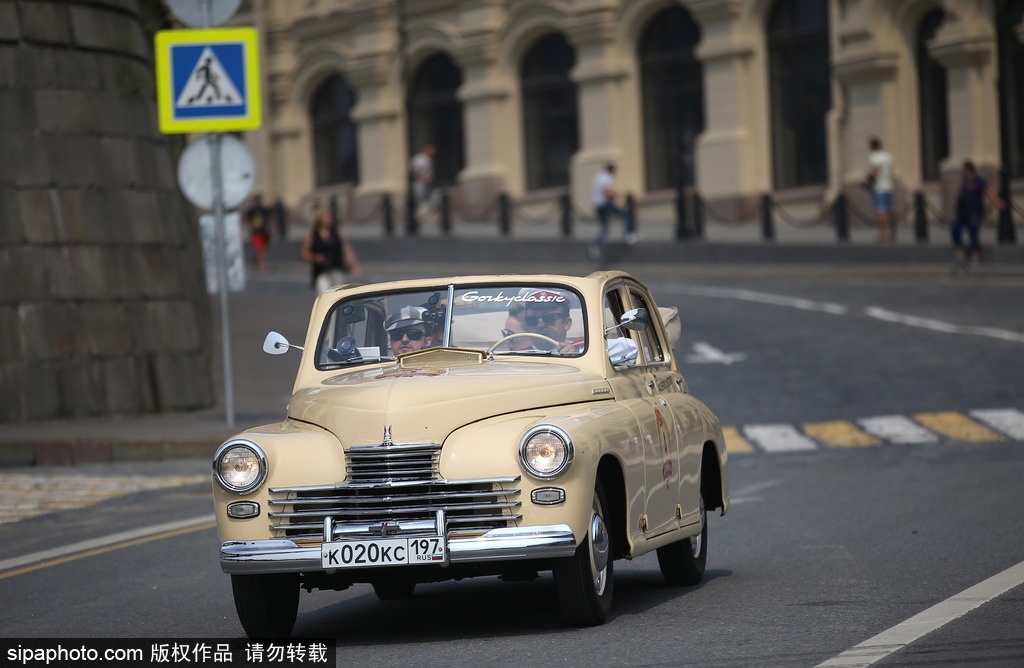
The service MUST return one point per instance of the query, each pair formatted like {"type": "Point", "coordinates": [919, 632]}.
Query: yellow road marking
{"type": "Point", "coordinates": [102, 550]}
{"type": "Point", "coordinates": [958, 427]}
{"type": "Point", "coordinates": [840, 434]}
{"type": "Point", "coordinates": [734, 442]}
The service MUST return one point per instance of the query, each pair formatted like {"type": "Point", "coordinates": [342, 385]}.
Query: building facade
{"type": "Point", "coordinates": [733, 98]}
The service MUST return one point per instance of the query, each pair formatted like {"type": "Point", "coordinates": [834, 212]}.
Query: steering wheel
{"type": "Point", "coordinates": [517, 335]}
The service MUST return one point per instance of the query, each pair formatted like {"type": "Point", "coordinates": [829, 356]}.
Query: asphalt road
{"type": "Point", "coordinates": [822, 549]}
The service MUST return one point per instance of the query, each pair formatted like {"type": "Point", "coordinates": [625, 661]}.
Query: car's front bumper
{"type": "Point", "coordinates": [505, 544]}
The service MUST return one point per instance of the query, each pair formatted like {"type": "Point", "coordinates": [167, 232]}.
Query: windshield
{"type": "Point", "coordinates": [504, 320]}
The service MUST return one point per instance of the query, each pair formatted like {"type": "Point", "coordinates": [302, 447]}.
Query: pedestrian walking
{"type": "Point", "coordinates": [257, 221]}
{"type": "Point", "coordinates": [880, 178]}
{"type": "Point", "coordinates": [603, 196]}
{"type": "Point", "coordinates": [970, 211]}
{"type": "Point", "coordinates": [421, 173]}
{"type": "Point", "coordinates": [281, 217]}
{"type": "Point", "coordinates": [329, 253]}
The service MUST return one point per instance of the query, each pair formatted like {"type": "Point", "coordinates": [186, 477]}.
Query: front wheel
{"type": "Point", "coordinates": [267, 604]}
{"type": "Point", "coordinates": [585, 581]}
{"type": "Point", "coordinates": [682, 563]}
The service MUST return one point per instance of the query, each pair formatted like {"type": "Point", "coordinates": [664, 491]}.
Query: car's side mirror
{"type": "Point", "coordinates": [276, 344]}
{"type": "Point", "coordinates": [635, 319]}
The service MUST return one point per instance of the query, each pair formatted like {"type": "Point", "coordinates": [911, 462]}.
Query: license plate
{"type": "Point", "coordinates": [383, 552]}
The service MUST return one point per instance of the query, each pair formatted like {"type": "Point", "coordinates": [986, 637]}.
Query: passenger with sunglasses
{"type": "Point", "coordinates": [407, 330]}
{"type": "Point", "coordinates": [547, 314]}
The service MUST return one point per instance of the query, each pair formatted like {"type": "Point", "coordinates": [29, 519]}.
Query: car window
{"type": "Point", "coordinates": [506, 319]}
{"type": "Point", "coordinates": [648, 339]}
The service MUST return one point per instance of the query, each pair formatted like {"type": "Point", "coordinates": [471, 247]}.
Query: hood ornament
{"type": "Point", "coordinates": [387, 437]}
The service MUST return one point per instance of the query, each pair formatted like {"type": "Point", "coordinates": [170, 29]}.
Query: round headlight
{"type": "Point", "coordinates": [240, 466]}
{"type": "Point", "coordinates": [545, 452]}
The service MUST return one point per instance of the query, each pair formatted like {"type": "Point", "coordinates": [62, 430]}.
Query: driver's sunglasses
{"type": "Point", "coordinates": [413, 334]}
{"type": "Point", "coordinates": [548, 318]}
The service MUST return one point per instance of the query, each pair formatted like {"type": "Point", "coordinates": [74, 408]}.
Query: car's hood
{"type": "Point", "coordinates": [427, 404]}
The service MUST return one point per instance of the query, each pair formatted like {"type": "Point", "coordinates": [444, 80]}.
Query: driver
{"type": "Point", "coordinates": [547, 314]}
{"type": "Point", "coordinates": [407, 330]}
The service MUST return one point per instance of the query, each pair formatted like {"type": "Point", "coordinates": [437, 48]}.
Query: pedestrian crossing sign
{"type": "Point", "coordinates": [208, 80]}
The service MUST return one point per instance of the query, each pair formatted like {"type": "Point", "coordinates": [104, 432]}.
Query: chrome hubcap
{"type": "Point", "coordinates": [696, 542]}
{"type": "Point", "coordinates": [599, 544]}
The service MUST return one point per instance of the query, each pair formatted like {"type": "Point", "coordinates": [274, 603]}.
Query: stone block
{"type": "Point", "coordinates": [11, 228]}
{"type": "Point", "coordinates": [102, 329]}
{"type": "Point", "coordinates": [16, 454]}
{"type": "Point", "coordinates": [81, 394]}
{"type": "Point", "coordinates": [97, 27]}
{"type": "Point", "coordinates": [39, 67]}
{"type": "Point", "coordinates": [31, 160]}
{"type": "Point", "coordinates": [53, 453]}
{"type": "Point", "coordinates": [49, 331]}
{"type": "Point", "coordinates": [120, 386]}
{"type": "Point", "coordinates": [140, 212]}
{"type": "Point", "coordinates": [45, 22]}
{"type": "Point", "coordinates": [183, 384]}
{"type": "Point", "coordinates": [118, 157]}
{"type": "Point", "coordinates": [9, 64]}
{"type": "Point", "coordinates": [39, 390]}
{"type": "Point", "coordinates": [23, 270]}
{"type": "Point", "coordinates": [73, 161]}
{"type": "Point", "coordinates": [17, 110]}
{"type": "Point", "coordinates": [10, 339]}
{"type": "Point", "coordinates": [37, 215]}
{"type": "Point", "coordinates": [79, 70]}
{"type": "Point", "coordinates": [174, 326]}
{"type": "Point", "coordinates": [91, 451]}
{"type": "Point", "coordinates": [113, 117]}
{"type": "Point", "coordinates": [94, 216]}
{"type": "Point", "coordinates": [10, 28]}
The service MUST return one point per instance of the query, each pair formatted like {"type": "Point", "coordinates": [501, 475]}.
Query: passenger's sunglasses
{"type": "Point", "coordinates": [413, 334]}
{"type": "Point", "coordinates": [548, 318]}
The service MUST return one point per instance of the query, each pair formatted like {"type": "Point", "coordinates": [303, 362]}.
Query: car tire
{"type": "Point", "coordinates": [267, 604]}
{"type": "Point", "coordinates": [389, 590]}
{"type": "Point", "coordinates": [682, 563]}
{"type": "Point", "coordinates": [585, 581]}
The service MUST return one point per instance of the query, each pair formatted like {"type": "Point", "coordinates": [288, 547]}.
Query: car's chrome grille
{"type": "Point", "coordinates": [398, 484]}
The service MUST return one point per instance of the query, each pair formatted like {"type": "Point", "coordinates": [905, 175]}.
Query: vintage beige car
{"type": "Point", "coordinates": [472, 426]}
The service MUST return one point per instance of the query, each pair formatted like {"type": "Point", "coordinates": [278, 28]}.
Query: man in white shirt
{"type": "Point", "coordinates": [421, 167]}
{"type": "Point", "coordinates": [880, 178]}
{"type": "Point", "coordinates": [602, 194]}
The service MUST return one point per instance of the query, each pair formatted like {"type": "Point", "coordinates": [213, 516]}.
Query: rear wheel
{"type": "Point", "coordinates": [387, 590]}
{"type": "Point", "coordinates": [267, 604]}
{"type": "Point", "coordinates": [682, 563]}
{"type": "Point", "coordinates": [584, 582]}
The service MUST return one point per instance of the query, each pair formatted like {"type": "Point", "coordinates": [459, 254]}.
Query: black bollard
{"type": "Point", "coordinates": [411, 224]}
{"type": "Point", "coordinates": [565, 202]}
{"type": "Point", "coordinates": [767, 221]}
{"type": "Point", "coordinates": [1007, 232]}
{"type": "Point", "coordinates": [446, 213]}
{"type": "Point", "coordinates": [504, 215]}
{"type": "Point", "coordinates": [631, 211]}
{"type": "Point", "coordinates": [387, 215]}
{"type": "Point", "coordinates": [920, 219]}
{"type": "Point", "coordinates": [682, 225]}
{"type": "Point", "coordinates": [698, 215]}
{"type": "Point", "coordinates": [840, 216]}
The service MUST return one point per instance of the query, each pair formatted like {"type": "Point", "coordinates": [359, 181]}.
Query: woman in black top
{"type": "Point", "coordinates": [329, 253]}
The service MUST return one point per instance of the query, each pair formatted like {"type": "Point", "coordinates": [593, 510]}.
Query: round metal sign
{"type": "Point", "coordinates": [203, 13]}
{"type": "Point", "coordinates": [238, 172]}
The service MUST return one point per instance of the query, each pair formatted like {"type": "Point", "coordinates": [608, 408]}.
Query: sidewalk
{"type": "Point", "coordinates": [281, 300]}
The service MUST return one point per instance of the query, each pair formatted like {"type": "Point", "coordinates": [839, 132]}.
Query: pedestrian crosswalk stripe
{"type": "Point", "coordinates": [734, 442]}
{"type": "Point", "coordinates": [897, 429]}
{"type": "Point", "coordinates": [840, 434]}
{"type": "Point", "coordinates": [1009, 421]}
{"type": "Point", "coordinates": [958, 427]}
{"type": "Point", "coordinates": [778, 438]}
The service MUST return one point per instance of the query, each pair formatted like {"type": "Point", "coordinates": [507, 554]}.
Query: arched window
{"type": "Point", "coordinates": [799, 71]}
{"type": "Point", "coordinates": [1011, 86]}
{"type": "Point", "coordinates": [435, 115]}
{"type": "Point", "coordinates": [673, 97]}
{"type": "Point", "coordinates": [550, 121]}
{"type": "Point", "coordinates": [334, 133]}
{"type": "Point", "coordinates": [932, 99]}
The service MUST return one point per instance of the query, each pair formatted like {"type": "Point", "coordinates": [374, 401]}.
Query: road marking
{"type": "Point", "coordinates": [940, 326]}
{"type": "Point", "coordinates": [897, 429]}
{"type": "Point", "coordinates": [778, 438]}
{"type": "Point", "coordinates": [958, 426]}
{"type": "Point", "coordinates": [1009, 421]}
{"type": "Point", "coordinates": [706, 353]}
{"type": "Point", "coordinates": [88, 548]}
{"type": "Point", "coordinates": [840, 434]}
{"type": "Point", "coordinates": [734, 442]}
{"type": "Point", "coordinates": [760, 298]}
{"type": "Point", "coordinates": [892, 640]}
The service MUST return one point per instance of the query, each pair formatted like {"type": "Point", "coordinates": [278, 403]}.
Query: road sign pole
{"type": "Point", "coordinates": [216, 182]}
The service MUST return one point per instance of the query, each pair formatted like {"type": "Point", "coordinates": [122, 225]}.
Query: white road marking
{"type": "Point", "coordinates": [778, 438]}
{"type": "Point", "coordinates": [104, 541]}
{"type": "Point", "coordinates": [897, 429]}
{"type": "Point", "coordinates": [1009, 421]}
{"type": "Point", "coordinates": [889, 642]}
{"type": "Point", "coordinates": [761, 298]}
{"type": "Point", "coordinates": [940, 326]}
{"type": "Point", "coordinates": [705, 353]}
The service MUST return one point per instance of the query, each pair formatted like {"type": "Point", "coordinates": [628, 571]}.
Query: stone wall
{"type": "Point", "coordinates": [103, 309]}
